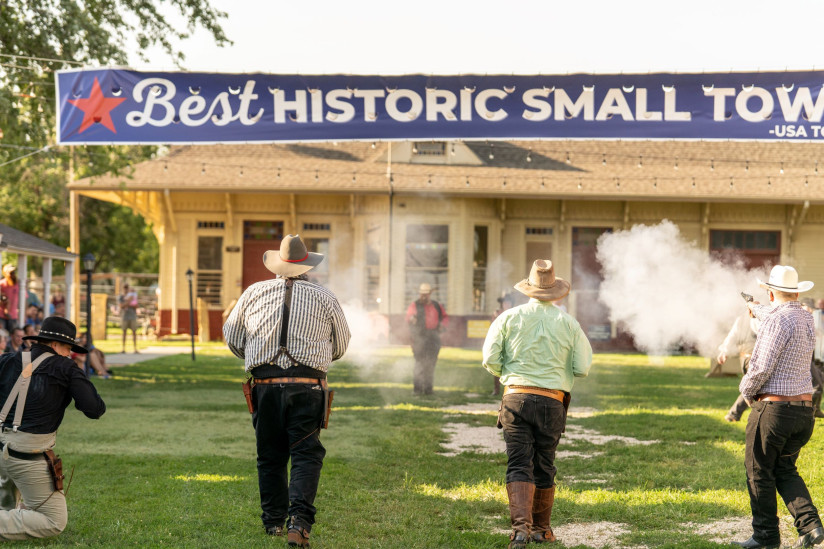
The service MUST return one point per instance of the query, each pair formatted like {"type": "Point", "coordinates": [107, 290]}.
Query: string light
{"type": "Point", "coordinates": [806, 181]}
{"type": "Point", "coordinates": [491, 154]}
{"type": "Point", "coordinates": [675, 167]}
{"type": "Point", "coordinates": [165, 166]}
{"type": "Point", "coordinates": [542, 183]}
{"type": "Point", "coordinates": [604, 160]}
{"type": "Point", "coordinates": [769, 182]}
{"type": "Point", "coordinates": [467, 181]}
{"type": "Point", "coordinates": [693, 182]}
{"type": "Point", "coordinates": [203, 169]}
{"type": "Point", "coordinates": [452, 150]}
{"type": "Point", "coordinates": [580, 185]}
{"type": "Point", "coordinates": [781, 171]}
{"type": "Point", "coordinates": [712, 165]}
{"type": "Point", "coordinates": [731, 182]}
{"type": "Point", "coordinates": [529, 155]}
{"type": "Point", "coordinates": [568, 159]}
{"type": "Point", "coordinates": [617, 183]}
{"type": "Point", "coordinates": [640, 161]}
{"type": "Point", "coordinates": [373, 144]}
{"type": "Point", "coordinates": [504, 183]}
{"type": "Point", "coordinates": [747, 166]}
{"type": "Point", "coordinates": [655, 183]}
{"type": "Point", "coordinates": [354, 178]}
{"type": "Point", "coordinates": [429, 182]}
{"type": "Point", "coordinates": [277, 177]}
{"type": "Point", "coordinates": [316, 175]}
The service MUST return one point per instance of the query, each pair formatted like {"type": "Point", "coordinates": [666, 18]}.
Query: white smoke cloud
{"type": "Point", "coordinates": [666, 291]}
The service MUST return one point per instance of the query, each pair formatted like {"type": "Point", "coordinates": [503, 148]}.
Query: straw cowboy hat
{"type": "Point", "coordinates": [542, 283]}
{"type": "Point", "coordinates": [56, 328]}
{"type": "Point", "coordinates": [293, 259]}
{"type": "Point", "coordinates": [785, 279]}
{"type": "Point", "coordinates": [425, 289]}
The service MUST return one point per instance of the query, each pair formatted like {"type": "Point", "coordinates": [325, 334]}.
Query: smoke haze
{"type": "Point", "coordinates": [666, 291]}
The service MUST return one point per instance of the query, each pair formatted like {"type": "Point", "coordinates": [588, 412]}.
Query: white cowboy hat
{"type": "Point", "coordinates": [785, 279]}
{"type": "Point", "coordinates": [292, 259]}
{"type": "Point", "coordinates": [542, 283]}
{"type": "Point", "coordinates": [425, 289]}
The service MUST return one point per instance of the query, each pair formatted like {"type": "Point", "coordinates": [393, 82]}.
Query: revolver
{"type": "Point", "coordinates": [747, 297]}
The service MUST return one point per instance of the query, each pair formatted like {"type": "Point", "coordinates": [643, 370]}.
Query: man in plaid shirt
{"type": "Point", "coordinates": [778, 387]}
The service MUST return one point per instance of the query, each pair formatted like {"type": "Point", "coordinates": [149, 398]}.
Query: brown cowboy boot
{"type": "Point", "coordinates": [520, 512]}
{"type": "Point", "coordinates": [541, 515]}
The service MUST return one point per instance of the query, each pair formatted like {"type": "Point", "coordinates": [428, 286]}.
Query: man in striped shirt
{"type": "Point", "coordinates": [288, 330]}
{"type": "Point", "coordinates": [778, 387]}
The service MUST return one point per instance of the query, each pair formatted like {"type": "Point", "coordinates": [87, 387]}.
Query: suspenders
{"type": "Point", "coordinates": [284, 327]}
{"type": "Point", "coordinates": [20, 390]}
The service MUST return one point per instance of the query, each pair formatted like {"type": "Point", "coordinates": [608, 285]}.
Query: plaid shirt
{"type": "Point", "coordinates": [780, 363]}
{"type": "Point", "coordinates": [318, 332]}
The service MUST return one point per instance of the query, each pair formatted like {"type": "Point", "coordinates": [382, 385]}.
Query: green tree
{"type": "Point", "coordinates": [38, 37]}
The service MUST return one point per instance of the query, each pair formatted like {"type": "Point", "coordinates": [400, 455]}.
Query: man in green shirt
{"type": "Point", "coordinates": [537, 350]}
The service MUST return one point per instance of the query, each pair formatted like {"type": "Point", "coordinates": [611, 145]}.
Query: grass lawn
{"type": "Point", "coordinates": [172, 462]}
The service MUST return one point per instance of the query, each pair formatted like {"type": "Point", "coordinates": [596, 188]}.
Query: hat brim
{"type": "Point", "coordinates": [803, 286]}
{"type": "Point", "coordinates": [46, 339]}
{"type": "Point", "coordinates": [559, 289]}
{"type": "Point", "coordinates": [273, 262]}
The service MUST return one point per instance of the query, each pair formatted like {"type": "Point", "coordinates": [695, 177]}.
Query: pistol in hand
{"type": "Point", "coordinates": [747, 297]}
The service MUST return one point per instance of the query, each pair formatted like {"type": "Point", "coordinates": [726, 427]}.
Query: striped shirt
{"type": "Point", "coordinates": [780, 363]}
{"type": "Point", "coordinates": [317, 331]}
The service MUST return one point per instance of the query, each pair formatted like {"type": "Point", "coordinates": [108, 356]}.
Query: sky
{"type": "Point", "coordinates": [515, 37]}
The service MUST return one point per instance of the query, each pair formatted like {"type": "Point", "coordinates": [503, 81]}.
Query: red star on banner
{"type": "Point", "coordinates": [97, 108]}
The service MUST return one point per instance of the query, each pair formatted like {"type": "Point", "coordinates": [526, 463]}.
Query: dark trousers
{"type": "Point", "coordinates": [287, 425]}
{"type": "Point", "coordinates": [776, 432]}
{"type": "Point", "coordinates": [426, 345]}
{"type": "Point", "coordinates": [532, 429]}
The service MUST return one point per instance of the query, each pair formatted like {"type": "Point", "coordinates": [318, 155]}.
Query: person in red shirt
{"type": "Point", "coordinates": [426, 319]}
{"type": "Point", "coordinates": [9, 297]}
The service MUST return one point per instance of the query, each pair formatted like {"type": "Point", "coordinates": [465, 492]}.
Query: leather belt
{"type": "Point", "coordinates": [285, 380]}
{"type": "Point", "coordinates": [784, 398]}
{"type": "Point", "coordinates": [519, 389]}
{"type": "Point", "coordinates": [26, 455]}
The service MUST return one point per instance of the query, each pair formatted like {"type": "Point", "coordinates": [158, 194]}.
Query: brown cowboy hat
{"type": "Point", "coordinates": [293, 259]}
{"type": "Point", "coordinates": [542, 283]}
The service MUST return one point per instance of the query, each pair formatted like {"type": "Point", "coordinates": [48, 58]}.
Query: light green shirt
{"type": "Point", "coordinates": [537, 345]}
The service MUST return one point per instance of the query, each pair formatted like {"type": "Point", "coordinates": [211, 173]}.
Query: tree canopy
{"type": "Point", "coordinates": [38, 37]}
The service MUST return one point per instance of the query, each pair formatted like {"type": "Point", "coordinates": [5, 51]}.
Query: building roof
{"type": "Point", "coordinates": [18, 242]}
{"type": "Point", "coordinates": [723, 171]}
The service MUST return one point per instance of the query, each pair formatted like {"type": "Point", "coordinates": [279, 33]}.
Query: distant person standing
{"type": "Point", "coordinates": [128, 315]}
{"type": "Point", "coordinates": [426, 319]}
{"type": "Point", "coordinates": [778, 387]}
{"type": "Point", "coordinates": [537, 350]}
{"type": "Point", "coordinates": [9, 297]}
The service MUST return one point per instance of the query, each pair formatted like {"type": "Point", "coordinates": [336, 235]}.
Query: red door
{"type": "Point", "coordinates": [259, 237]}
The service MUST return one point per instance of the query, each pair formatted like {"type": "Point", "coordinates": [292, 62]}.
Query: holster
{"type": "Point", "coordinates": [327, 406]}
{"type": "Point", "coordinates": [55, 468]}
{"type": "Point", "coordinates": [500, 425]}
{"type": "Point", "coordinates": [247, 392]}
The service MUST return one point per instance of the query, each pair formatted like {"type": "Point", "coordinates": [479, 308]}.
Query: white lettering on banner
{"type": "Point", "coordinates": [585, 102]}
{"type": "Point", "coordinates": [531, 99]}
{"type": "Point", "coordinates": [791, 130]}
{"type": "Point", "coordinates": [791, 109]}
{"type": "Point", "coordinates": [137, 118]}
{"type": "Point", "coordinates": [441, 102]}
{"type": "Point", "coordinates": [333, 101]}
{"type": "Point", "coordinates": [466, 105]}
{"type": "Point", "coordinates": [614, 103]}
{"type": "Point", "coordinates": [246, 97]}
{"type": "Point", "coordinates": [670, 112]}
{"type": "Point", "coordinates": [719, 105]}
{"type": "Point", "coordinates": [641, 112]}
{"type": "Point", "coordinates": [282, 106]}
{"type": "Point", "coordinates": [742, 104]}
{"type": "Point", "coordinates": [370, 111]}
{"type": "Point", "coordinates": [483, 111]}
{"type": "Point", "coordinates": [414, 110]}
{"type": "Point", "coordinates": [316, 99]}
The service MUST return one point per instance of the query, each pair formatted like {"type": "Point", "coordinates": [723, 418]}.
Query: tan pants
{"type": "Point", "coordinates": [44, 513]}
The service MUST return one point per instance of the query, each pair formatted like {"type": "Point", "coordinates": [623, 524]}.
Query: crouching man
{"type": "Point", "coordinates": [35, 388]}
{"type": "Point", "coordinates": [536, 349]}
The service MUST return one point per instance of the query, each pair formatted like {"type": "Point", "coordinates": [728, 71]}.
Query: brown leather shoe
{"type": "Point", "coordinates": [297, 536]}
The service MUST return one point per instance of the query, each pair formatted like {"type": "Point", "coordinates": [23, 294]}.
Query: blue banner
{"type": "Point", "coordinates": [104, 106]}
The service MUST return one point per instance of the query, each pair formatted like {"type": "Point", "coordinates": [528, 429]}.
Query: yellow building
{"type": "Point", "coordinates": [467, 217]}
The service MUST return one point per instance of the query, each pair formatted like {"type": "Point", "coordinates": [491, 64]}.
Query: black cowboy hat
{"type": "Point", "coordinates": [56, 328]}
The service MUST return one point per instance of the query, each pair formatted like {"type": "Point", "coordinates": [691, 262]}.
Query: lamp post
{"type": "Point", "coordinates": [88, 264]}
{"type": "Point", "coordinates": [189, 276]}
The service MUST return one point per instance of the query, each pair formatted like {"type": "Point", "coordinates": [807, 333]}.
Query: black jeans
{"type": "Point", "coordinates": [532, 429]}
{"type": "Point", "coordinates": [426, 344]}
{"type": "Point", "coordinates": [776, 432]}
{"type": "Point", "coordinates": [287, 424]}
